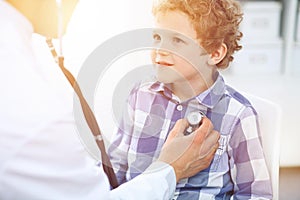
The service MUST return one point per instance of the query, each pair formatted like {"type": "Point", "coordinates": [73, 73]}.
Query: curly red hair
{"type": "Point", "coordinates": [215, 21]}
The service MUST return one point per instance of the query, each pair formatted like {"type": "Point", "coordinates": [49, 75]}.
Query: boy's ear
{"type": "Point", "coordinates": [218, 55]}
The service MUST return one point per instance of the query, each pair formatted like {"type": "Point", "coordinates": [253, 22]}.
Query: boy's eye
{"type": "Point", "coordinates": [178, 40]}
{"type": "Point", "coordinates": [156, 37]}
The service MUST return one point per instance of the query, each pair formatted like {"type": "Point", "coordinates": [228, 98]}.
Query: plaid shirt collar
{"type": "Point", "coordinates": [208, 98]}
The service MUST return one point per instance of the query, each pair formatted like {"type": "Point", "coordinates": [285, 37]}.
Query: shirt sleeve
{"type": "Point", "coordinates": [157, 182]}
{"type": "Point", "coordinates": [120, 142]}
{"type": "Point", "coordinates": [246, 158]}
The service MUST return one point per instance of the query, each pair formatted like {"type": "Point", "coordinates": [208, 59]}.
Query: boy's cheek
{"type": "Point", "coordinates": [153, 55]}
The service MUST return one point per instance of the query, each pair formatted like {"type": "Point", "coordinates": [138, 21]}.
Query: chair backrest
{"type": "Point", "coordinates": [269, 116]}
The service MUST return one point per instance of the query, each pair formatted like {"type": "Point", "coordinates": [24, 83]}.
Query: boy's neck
{"type": "Point", "coordinates": [187, 89]}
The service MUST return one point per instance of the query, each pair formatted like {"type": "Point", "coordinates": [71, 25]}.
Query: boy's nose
{"type": "Point", "coordinates": [162, 52]}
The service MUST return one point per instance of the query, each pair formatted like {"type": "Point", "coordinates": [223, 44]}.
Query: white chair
{"type": "Point", "coordinates": [269, 116]}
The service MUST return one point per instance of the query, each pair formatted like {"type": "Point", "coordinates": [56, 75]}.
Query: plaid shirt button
{"type": "Point", "coordinates": [179, 107]}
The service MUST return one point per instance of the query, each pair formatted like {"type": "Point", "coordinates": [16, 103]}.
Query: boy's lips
{"type": "Point", "coordinates": [163, 63]}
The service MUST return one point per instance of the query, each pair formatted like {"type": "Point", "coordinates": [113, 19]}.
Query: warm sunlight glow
{"type": "Point", "coordinates": [95, 21]}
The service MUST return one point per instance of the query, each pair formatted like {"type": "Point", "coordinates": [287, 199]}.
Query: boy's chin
{"type": "Point", "coordinates": [166, 79]}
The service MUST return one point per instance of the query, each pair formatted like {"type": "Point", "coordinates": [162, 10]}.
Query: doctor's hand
{"type": "Point", "coordinates": [192, 153]}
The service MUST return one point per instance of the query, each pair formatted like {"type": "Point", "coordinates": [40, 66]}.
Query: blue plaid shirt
{"type": "Point", "coordinates": [238, 170]}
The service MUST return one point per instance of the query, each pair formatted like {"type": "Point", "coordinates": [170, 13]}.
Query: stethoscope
{"type": "Point", "coordinates": [58, 56]}
{"type": "Point", "coordinates": [88, 113]}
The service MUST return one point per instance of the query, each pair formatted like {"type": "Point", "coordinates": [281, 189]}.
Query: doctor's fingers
{"type": "Point", "coordinates": [205, 129]}
{"type": "Point", "coordinates": [178, 129]}
{"type": "Point", "coordinates": [204, 160]}
{"type": "Point", "coordinates": [210, 143]}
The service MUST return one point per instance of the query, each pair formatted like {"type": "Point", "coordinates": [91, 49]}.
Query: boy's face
{"type": "Point", "coordinates": [178, 56]}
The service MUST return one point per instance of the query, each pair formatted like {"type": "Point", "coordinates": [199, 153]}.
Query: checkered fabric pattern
{"type": "Point", "coordinates": [238, 170]}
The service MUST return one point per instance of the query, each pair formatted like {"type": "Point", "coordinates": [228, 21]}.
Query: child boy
{"type": "Point", "coordinates": [186, 83]}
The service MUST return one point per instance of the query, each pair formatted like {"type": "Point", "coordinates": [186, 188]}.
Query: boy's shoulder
{"type": "Point", "coordinates": [238, 101]}
{"type": "Point", "coordinates": [238, 96]}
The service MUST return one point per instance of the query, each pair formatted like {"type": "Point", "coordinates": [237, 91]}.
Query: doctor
{"type": "Point", "coordinates": [41, 156]}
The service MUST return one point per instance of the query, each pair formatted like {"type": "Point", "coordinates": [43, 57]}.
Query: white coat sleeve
{"type": "Point", "coordinates": [157, 182]}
